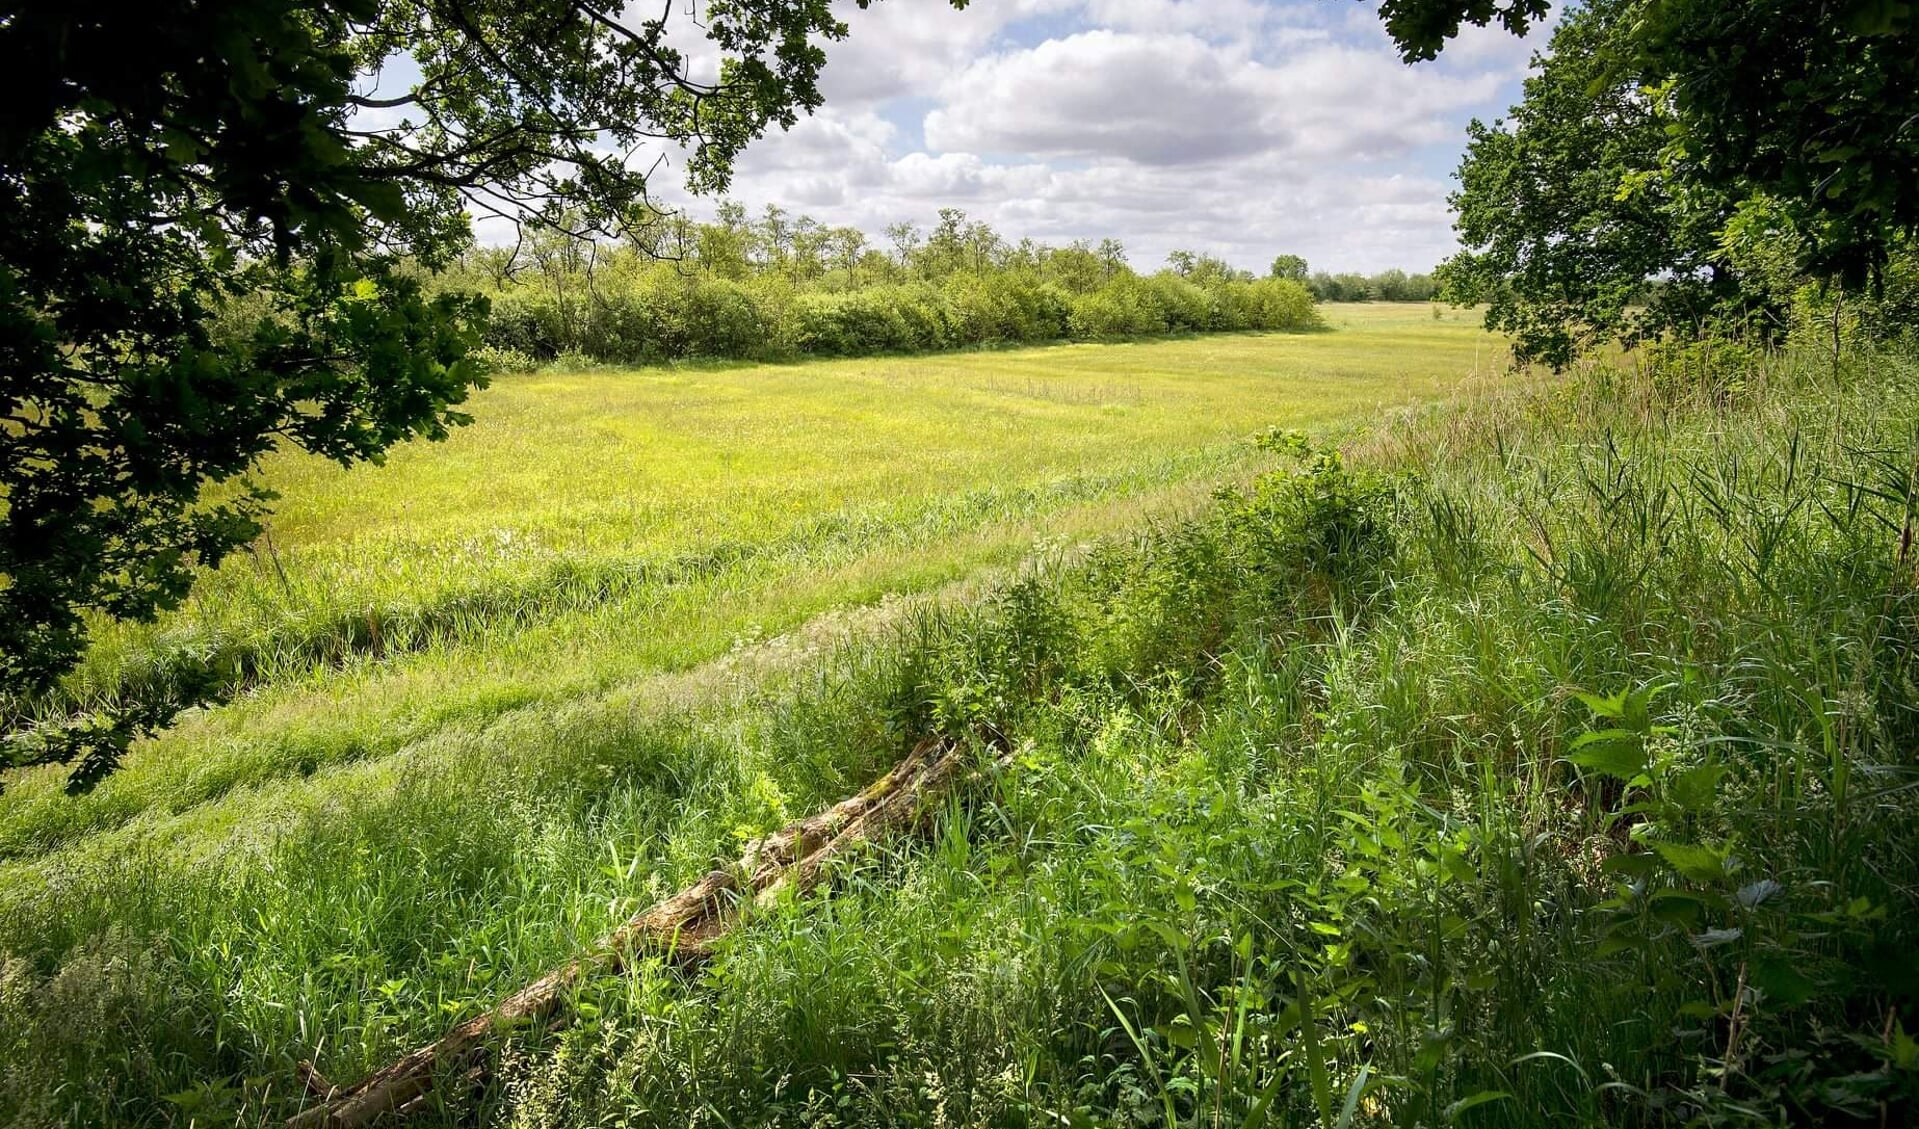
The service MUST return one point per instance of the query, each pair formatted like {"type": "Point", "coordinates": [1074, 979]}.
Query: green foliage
{"type": "Point", "coordinates": [1755, 88]}
{"type": "Point", "coordinates": [1566, 212]}
{"type": "Point", "coordinates": [1003, 307]}
{"type": "Point", "coordinates": [1386, 286]}
{"type": "Point", "coordinates": [1421, 27]}
{"type": "Point", "coordinates": [1288, 266]}
{"type": "Point", "coordinates": [201, 244]}
{"type": "Point", "coordinates": [1538, 759]}
{"type": "Point", "coordinates": [1125, 307]}
{"type": "Point", "coordinates": [616, 307]}
{"type": "Point", "coordinates": [863, 322]}
{"type": "Point", "coordinates": [1267, 304]}
{"type": "Point", "coordinates": [1322, 520]}
{"type": "Point", "coordinates": [1673, 167]}
{"type": "Point", "coordinates": [1187, 308]}
{"type": "Point", "coordinates": [961, 286]}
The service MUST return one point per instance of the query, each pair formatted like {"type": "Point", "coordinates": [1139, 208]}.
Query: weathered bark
{"type": "Point", "coordinates": [682, 927]}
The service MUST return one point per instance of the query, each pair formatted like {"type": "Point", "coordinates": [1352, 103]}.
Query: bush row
{"type": "Point", "coordinates": [665, 314]}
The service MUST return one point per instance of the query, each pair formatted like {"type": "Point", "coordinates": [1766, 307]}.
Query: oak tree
{"type": "Point", "coordinates": [1569, 209]}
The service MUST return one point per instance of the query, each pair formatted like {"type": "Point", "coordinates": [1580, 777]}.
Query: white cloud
{"type": "Point", "coordinates": [1233, 127]}
{"type": "Point", "coordinates": [1246, 210]}
{"type": "Point", "coordinates": [1237, 20]}
{"type": "Point", "coordinates": [1171, 99]}
{"type": "Point", "coordinates": [1156, 99]}
{"type": "Point", "coordinates": [908, 48]}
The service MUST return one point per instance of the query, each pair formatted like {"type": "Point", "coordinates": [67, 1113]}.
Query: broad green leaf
{"type": "Point", "coordinates": [1633, 865]}
{"type": "Point", "coordinates": [1694, 788]}
{"type": "Point", "coordinates": [1615, 943]}
{"type": "Point", "coordinates": [1612, 752]}
{"type": "Point", "coordinates": [1783, 984]}
{"type": "Point", "coordinates": [1696, 862]}
{"type": "Point", "coordinates": [1614, 706]}
{"type": "Point", "coordinates": [1681, 907]}
{"type": "Point", "coordinates": [1636, 709]}
{"type": "Point", "coordinates": [383, 198]}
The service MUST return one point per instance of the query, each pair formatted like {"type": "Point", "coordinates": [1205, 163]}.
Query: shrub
{"type": "Point", "coordinates": [1124, 307]}
{"type": "Point", "coordinates": [925, 314]}
{"type": "Point", "coordinates": [1188, 308]}
{"type": "Point", "coordinates": [859, 322]}
{"type": "Point", "coordinates": [634, 314]}
{"type": "Point", "coordinates": [1280, 303]}
{"type": "Point", "coordinates": [499, 361]}
{"type": "Point", "coordinates": [722, 318]}
{"type": "Point", "coordinates": [526, 322]}
{"type": "Point", "coordinates": [624, 323]}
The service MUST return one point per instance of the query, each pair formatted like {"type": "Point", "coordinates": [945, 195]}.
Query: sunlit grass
{"type": "Point", "coordinates": [594, 528]}
{"type": "Point", "coordinates": [1307, 771]}
{"type": "Point", "coordinates": [628, 618]}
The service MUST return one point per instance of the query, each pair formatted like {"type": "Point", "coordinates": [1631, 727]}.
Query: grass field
{"type": "Point", "coordinates": [1543, 756]}
{"type": "Point", "coordinates": [578, 611]}
{"type": "Point", "coordinates": [591, 529]}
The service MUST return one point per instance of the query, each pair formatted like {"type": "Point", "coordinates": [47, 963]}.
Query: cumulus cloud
{"type": "Point", "coordinates": [1158, 99]}
{"type": "Point", "coordinates": [1175, 98]}
{"type": "Point", "coordinates": [908, 48]}
{"type": "Point", "coordinates": [1238, 20]}
{"type": "Point", "coordinates": [1235, 127]}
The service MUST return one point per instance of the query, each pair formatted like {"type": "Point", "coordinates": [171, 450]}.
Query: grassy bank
{"type": "Point", "coordinates": [1539, 758]}
{"type": "Point", "coordinates": [600, 697]}
{"type": "Point", "coordinates": [596, 529]}
{"type": "Point", "coordinates": [1545, 761]}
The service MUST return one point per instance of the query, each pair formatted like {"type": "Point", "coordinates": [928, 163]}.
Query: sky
{"type": "Point", "coordinates": [1233, 127]}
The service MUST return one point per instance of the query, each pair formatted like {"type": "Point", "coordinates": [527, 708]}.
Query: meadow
{"type": "Point", "coordinates": [1486, 752]}
{"type": "Point", "coordinates": [594, 528]}
{"type": "Point", "coordinates": [941, 680]}
{"type": "Point", "coordinates": [510, 613]}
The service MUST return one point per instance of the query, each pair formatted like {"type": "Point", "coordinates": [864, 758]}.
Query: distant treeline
{"type": "Point", "coordinates": [780, 285]}
{"type": "Point", "coordinates": [1386, 286]}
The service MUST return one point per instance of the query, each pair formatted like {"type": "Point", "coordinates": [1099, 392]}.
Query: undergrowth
{"type": "Point", "coordinates": [1540, 759]}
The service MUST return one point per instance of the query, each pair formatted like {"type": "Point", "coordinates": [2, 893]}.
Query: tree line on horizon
{"type": "Point", "coordinates": [1392, 285]}
{"type": "Point", "coordinates": [779, 284]}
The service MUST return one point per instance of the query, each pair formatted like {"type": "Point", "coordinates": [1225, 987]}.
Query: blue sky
{"type": "Point", "coordinates": [1236, 127]}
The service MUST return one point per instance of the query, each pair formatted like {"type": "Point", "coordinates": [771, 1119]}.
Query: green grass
{"type": "Point", "coordinates": [576, 597]}
{"type": "Point", "coordinates": [594, 529]}
{"type": "Point", "coordinates": [1309, 826]}
{"type": "Point", "coordinates": [1304, 816]}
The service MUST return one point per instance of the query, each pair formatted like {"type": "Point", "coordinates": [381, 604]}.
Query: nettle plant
{"type": "Point", "coordinates": [1333, 519]}
{"type": "Point", "coordinates": [1759, 972]}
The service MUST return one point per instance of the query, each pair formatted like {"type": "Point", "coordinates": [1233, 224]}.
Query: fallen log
{"type": "Point", "coordinates": [681, 927]}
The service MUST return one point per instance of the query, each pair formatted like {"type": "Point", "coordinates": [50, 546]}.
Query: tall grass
{"type": "Point", "coordinates": [1543, 758]}
{"type": "Point", "coordinates": [1549, 764]}
{"type": "Point", "coordinates": [597, 529]}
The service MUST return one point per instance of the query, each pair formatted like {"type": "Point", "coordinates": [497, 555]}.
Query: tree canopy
{"type": "Point", "coordinates": [1422, 27]}
{"type": "Point", "coordinates": [1677, 163]}
{"type": "Point", "coordinates": [1814, 106]}
{"type": "Point", "coordinates": [1565, 211]}
{"type": "Point", "coordinates": [1288, 266]}
{"type": "Point", "coordinates": [212, 215]}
